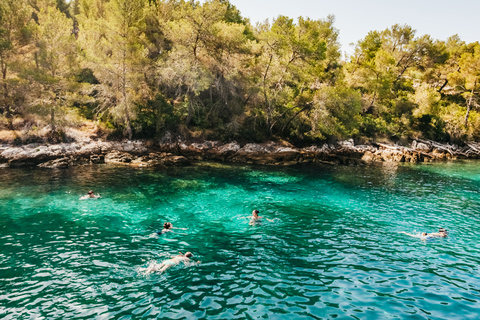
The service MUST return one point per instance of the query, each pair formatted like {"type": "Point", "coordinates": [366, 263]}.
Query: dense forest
{"type": "Point", "coordinates": [141, 68]}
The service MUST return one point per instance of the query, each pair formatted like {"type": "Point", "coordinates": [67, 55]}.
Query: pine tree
{"type": "Point", "coordinates": [51, 74]}
{"type": "Point", "coordinates": [15, 43]}
{"type": "Point", "coordinates": [112, 35]}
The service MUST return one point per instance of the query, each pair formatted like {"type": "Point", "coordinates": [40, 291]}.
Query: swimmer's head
{"type": "Point", "coordinates": [424, 233]}
{"type": "Point", "coordinates": [90, 192]}
{"type": "Point", "coordinates": [188, 255]}
{"type": "Point", "coordinates": [167, 225]}
{"type": "Point", "coordinates": [442, 230]}
{"type": "Point", "coordinates": [255, 212]}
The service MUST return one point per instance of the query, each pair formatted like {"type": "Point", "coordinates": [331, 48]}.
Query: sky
{"type": "Point", "coordinates": [355, 18]}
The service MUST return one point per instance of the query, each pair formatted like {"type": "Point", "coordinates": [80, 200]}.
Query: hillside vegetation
{"type": "Point", "coordinates": [138, 68]}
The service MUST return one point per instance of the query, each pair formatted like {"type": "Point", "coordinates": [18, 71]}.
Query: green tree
{"type": "Point", "coordinates": [335, 113]}
{"type": "Point", "coordinates": [295, 60]}
{"type": "Point", "coordinates": [205, 64]}
{"type": "Point", "coordinates": [51, 75]}
{"type": "Point", "coordinates": [388, 68]}
{"type": "Point", "coordinates": [112, 37]}
{"type": "Point", "coordinates": [467, 78]}
{"type": "Point", "coordinates": [15, 44]}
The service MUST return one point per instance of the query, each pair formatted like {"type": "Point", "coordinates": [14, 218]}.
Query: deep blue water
{"type": "Point", "coordinates": [333, 251]}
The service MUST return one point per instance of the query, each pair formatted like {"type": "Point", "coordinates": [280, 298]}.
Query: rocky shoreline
{"type": "Point", "coordinates": [149, 154]}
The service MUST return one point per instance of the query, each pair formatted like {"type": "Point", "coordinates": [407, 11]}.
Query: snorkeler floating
{"type": "Point", "coordinates": [167, 264]}
{"type": "Point", "coordinates": [90, 195]}
{"type": "Point", "coordinates": [167, 227]}
{"type": "Point", "coordinates": [442, 233]}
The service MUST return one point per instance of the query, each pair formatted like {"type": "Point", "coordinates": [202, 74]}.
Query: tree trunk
{"type": "Point", "coordinates": [466, 115]}
{"type": "Point", "coordinates": [307, 107]}
{"type": "Point", "coordinates": [190, 112]}
{"type": "Point", "coordinates": [7, 110]}
{"type": "Point", "coordinates": [443, 86]}
{"type": "Point", "coordinates": [124, 93]}
{"type": "Point", "coordinates": [469, 104]}
{"type": "Point", "coordinates": [127, 123]}
{"type": "Point", "coordinates": [127, 116]}
{"type": "Point", "coordinates": [267, 101]}
{"type": "Point", "coordinates": [52, 119]}
{"type": "Point", "coordinates": [157, 112]}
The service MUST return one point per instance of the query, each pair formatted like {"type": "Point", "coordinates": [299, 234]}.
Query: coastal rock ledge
{"type": "Point", "coordinates": [147, 154]}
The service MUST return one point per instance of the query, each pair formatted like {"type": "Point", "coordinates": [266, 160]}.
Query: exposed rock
{"type": "Point", "coordinates": [118, 157]}
{"type": "Point", "coordinates": [29, 160]}
{"type": "Point", "coordinates": [368, 156]}
{"type": "Point", "coordinates": [224, 152]}
{"type": "Point", "coordinates": [422, 147]}
{"type": "Point", "coordinates": [176, 161]}
{"type": "Point", "coordinates": [347, 143]}
{"type": "Point", "coordinates": [95, 158]}
{"type": "Point", "coordinates": [140, 153]}
{"type": "Point", "coordinates": [393, 156]}
{"type": "Point", "coordinates": [57, 163]}
{"type": "Point", "coordinates": [412, 157]}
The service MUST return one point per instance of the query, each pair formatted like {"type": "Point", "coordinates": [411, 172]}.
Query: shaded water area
{"type": "Point", "coordinates": [333, 251]}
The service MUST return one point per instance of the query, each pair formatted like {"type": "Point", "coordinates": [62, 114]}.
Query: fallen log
{"type": "Point", "coordinates": [404, 149]}
{"type": "Point", "coordinates": [437, 145]}
{"type": "Point", "coordinates": [476, 149]}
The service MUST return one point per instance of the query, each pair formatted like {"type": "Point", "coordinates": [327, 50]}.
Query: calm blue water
{"type": "Point", "coordinates": [334, 251]}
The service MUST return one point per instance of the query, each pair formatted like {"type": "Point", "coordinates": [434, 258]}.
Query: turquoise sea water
{"type": "Point", "coordinates": [333, 251]}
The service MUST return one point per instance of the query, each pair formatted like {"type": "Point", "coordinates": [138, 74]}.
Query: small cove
{"type": "Point", "coordinates": [334, 250]}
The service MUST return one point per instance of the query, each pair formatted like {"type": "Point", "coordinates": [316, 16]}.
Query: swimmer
{"type": "Point", "coordinates": [167, 227]}
{"type": "Point", "coordinates": [442, 233]}
{"type": "Point", "coordinates": [90, 195]}
{"type": "Point", "coordinates": [256, 218]}
{"type": "Point", "coordinates": [423, 235]}
{"type": "Point", "coordinates": [167, 264]}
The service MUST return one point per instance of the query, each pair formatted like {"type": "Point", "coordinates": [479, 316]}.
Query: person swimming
{"type": "Point", "coordinates": [167, 227]}
{"type": "Point", "coordinates": [422, 235]}
{"type": "Point", "coordinates": [167, 264]}
{"type": "Point", "coordinates": [255, 218]}
{"type": "Point", "coordinates": [442, 233]}
{"type": "Point", "coordinates": [90, 195]}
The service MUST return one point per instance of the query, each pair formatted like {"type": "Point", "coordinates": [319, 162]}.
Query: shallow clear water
{"type": "Point", "coordinates": [334, 251]}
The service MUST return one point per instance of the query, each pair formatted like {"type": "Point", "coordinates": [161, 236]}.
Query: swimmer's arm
{"type": "Point", "coordinates": [409, 234]}
{"type": "Point", "coordinates": [179, 228]}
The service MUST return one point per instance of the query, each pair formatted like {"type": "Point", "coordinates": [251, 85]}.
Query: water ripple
{"type": "Point", "coordinates": [333, 251]}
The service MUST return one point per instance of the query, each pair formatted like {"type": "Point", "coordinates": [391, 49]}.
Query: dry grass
{"type": "Point", "coordinates": [9, 136]}
{"type": "Point", "coordinates": [28, 130]}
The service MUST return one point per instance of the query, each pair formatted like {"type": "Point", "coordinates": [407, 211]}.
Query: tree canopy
{"type": "Point", "coordinates": [142, 68]}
